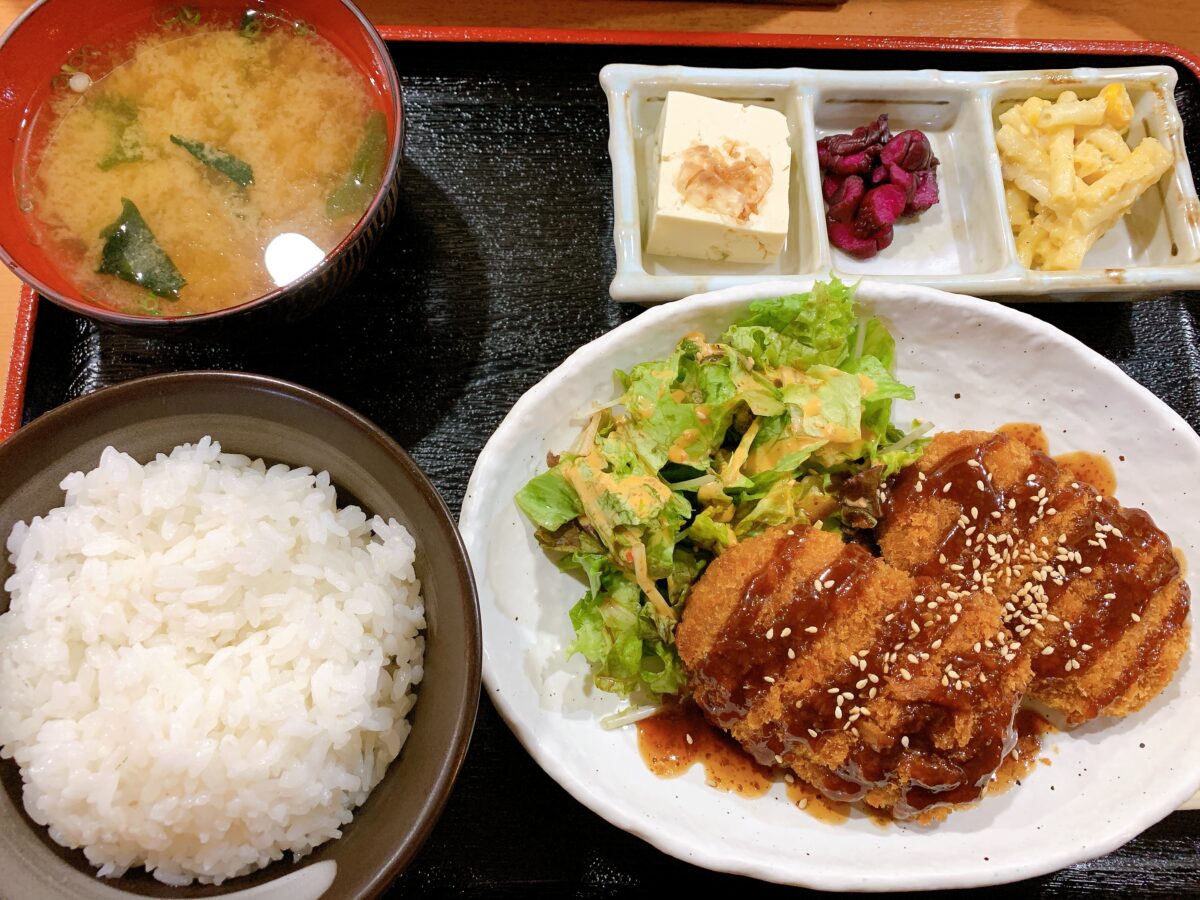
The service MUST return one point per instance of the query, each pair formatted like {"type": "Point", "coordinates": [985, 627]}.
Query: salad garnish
{"type": "Point", "coordinates": [784, 418]}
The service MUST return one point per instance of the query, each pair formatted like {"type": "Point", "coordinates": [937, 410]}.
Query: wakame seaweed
{"type": "Point", "coordinates": [366, 171]}
{"type": "Point", "coordinates": [132, 253]}
{"type": "Point", "coordinates": [236, 170]}
{"type": "Point", "coordinates": [122, 118]}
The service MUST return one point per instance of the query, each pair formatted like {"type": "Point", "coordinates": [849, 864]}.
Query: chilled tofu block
{"type": "Point", "coordinates": [718, 181]}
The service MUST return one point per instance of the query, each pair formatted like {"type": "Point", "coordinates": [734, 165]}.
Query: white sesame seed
{"type": "Point", "coordinates": [1046, 651]}
{"type": "Point", "coordinates": [837, 712]}
{"type": "Point", "coordinates": [829, 583]}
{"type": "Point", "coordinates": [791, 653]}
{"type": "Point", "coordinates": [785, 632]}
{"type": "Point", "coordinates": [1135, 617]}
{"type": "Point", "coordinates": [947, 486]}
{"type": "Point", "coordinates": [979, 484]}
{"type": "Point", "coordinates": [770, 633]}
{"type": "Point", "coordinates": [768, 679]}
{"type": "Point", "coordinates": [812, 732]}
{"type": "Point", "coordinates": [811, 629]}
{"type": "Point", "coordinates": [904, 742]}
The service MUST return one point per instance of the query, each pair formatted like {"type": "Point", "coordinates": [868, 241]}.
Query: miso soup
{"type": "Point", "coordinates": [212, 165]}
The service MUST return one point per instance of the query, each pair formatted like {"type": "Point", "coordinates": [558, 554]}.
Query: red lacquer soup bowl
{"type": "Point", "coordinates": [57, 33]}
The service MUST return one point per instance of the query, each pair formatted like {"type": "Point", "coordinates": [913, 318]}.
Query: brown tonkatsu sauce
{"type": "Point", "coordinates": [1030, 434]}
{"type": "Point", "coordinates": [1094, 468]}
{"type": "Point", "coordinates": [1024, 756]}
{"type": "Point", "coordinates": [679, 737]}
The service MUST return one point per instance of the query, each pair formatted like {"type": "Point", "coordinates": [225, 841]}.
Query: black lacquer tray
{"type": "Point", "coordinates": [495, 269]}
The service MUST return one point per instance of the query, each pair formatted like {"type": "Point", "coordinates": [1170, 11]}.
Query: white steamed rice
{"type": "Point", "coordinates": [206, 663]}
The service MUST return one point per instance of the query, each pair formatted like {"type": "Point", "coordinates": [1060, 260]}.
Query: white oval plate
{"type": "Point", "coordinates": [974, 364]}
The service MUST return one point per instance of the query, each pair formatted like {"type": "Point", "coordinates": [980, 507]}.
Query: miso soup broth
{"type": "Point", "coordinates": [211, 166]}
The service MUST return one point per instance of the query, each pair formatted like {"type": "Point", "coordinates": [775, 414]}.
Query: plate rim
{"type": "Point", "coordinates": [472, 520]}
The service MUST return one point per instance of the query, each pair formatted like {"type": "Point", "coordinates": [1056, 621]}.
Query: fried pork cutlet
{"type": "Point", "coordinates": [816, 655]}
{"type": "Point", "coordinates": [897, 679]}
{"type": "Point", "coordinates": [1092, 591]}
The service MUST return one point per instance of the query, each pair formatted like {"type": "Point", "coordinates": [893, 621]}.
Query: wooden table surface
{"type": "Point", "coordinates": [1152, 20]}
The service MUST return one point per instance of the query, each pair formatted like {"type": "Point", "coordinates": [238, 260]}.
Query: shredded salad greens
{"type": "Point", "coordinates": [785, 418]}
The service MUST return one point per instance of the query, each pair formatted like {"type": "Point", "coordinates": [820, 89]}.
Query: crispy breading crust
{"type": "Point", "coordinates": [999, 607]}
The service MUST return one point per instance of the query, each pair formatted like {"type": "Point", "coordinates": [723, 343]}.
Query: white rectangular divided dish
{"type": "Point", "coordinates": [964, 243]}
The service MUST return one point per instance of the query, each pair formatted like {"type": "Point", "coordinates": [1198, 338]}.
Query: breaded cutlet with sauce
{"type": "Point", "coordinates": [1093, 591]}
{"type": "Point", "coordinates": [897, 680]}
{"type": "Point", "coordinates": [814, 654]}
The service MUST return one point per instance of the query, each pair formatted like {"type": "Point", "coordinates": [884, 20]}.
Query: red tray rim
{"type": "Point", "coordinates": [14, 393]}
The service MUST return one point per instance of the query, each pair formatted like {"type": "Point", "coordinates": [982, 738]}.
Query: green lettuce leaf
{"type": "Point", "coordinates": [787, 502]}
{"type": "Point", "coordinates": [549, 501]}
{"type": "Point", "coordinates": [620, 637]}
{"type": "Point", "coordinates": [798, 330]}
{"type": "Point", "coordinates": [715, 537]}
